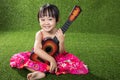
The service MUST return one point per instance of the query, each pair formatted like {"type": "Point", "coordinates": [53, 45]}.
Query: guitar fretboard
{"type": "Point", "coordinates": [64, 29]}
{"type": "Point", "coordinates": [66, 26]}
{"type": "Point", "coordinates": [73, 15]}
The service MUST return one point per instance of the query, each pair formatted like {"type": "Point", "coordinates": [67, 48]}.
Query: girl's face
{"type": "Point", "coordinates": [47, 23]}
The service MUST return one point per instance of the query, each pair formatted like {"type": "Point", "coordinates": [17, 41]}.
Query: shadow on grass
{"type": "Point", "coordinates": [89, 76]}
{"type": "Point", "coordinates": [22, 72]}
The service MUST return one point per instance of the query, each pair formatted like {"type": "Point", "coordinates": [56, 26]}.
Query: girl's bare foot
{"type": "Point", "coordinates": [35, 75]}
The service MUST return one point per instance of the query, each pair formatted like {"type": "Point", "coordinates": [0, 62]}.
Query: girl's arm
{"type": "Point", "coordinates": [60, 36]}
{"type": "Point", "coordinates": [41, 53]}
{"type": "Point", "coordinates": [61, 47]}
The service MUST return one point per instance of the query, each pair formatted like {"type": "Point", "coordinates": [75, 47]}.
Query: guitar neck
{"type": "Point", "coordinates": [66, 26]}
{"type": "Point", "coordinates": [73, 15]}
{"type": "Point", "coordinates": [64, 29]}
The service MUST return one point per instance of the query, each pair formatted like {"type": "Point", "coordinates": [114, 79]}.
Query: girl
{"type": "Point", "coordinates": [62, 63]}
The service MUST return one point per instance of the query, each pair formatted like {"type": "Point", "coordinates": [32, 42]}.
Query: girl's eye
{"type": "Point", "coordinates": [50, 19]}
{"type": "Point", "coordinates": [42, 19]}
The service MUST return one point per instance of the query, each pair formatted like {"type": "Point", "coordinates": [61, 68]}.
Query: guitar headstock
{"type": "Point", "coordinates": [75, 12]}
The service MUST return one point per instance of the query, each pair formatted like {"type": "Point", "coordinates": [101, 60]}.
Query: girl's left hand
{"type": "Point", "coordinates": [60, 36]}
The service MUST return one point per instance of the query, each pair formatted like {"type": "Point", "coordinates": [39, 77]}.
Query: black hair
{"type": "Point", "coordinates": [49, 10]}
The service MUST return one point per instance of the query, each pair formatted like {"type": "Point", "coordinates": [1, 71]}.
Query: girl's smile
{"type": "Point", "coordinates": [47, 23]}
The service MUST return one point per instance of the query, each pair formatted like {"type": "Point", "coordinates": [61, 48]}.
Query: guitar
{"type": "Point", "coordinates": [51, 46]}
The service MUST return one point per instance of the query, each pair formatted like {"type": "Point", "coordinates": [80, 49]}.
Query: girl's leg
{"type": "Point", "coordinates": [35, 75]}
{"type": "Point", "coordinates": [37, 69]}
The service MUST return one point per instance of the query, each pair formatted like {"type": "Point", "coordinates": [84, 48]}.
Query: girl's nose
{"type": "Point", "coordinates": [46, 22]}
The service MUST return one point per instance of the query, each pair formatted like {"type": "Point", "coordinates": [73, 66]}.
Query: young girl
{"type": "Point", "coordinates": [62, 63]}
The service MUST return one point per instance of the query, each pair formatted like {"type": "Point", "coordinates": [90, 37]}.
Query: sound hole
{"type": "Point", "coordinates": [48, 49]}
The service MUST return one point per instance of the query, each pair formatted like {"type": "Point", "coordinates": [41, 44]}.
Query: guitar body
{"type": "Point", "coordinates": [51, 46]}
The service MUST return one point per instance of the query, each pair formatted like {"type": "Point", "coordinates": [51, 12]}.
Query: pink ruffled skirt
{"type": "Point", "coordinates": [66, 63]}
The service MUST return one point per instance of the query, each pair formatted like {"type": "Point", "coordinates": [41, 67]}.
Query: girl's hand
{"type": "Point", "coordinates": [60, 36]}
{"type": "Point", "coordinates": [53, 66]}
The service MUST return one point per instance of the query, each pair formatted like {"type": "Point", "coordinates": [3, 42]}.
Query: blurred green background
{"type": "Point", "coordinates": [94, 36]}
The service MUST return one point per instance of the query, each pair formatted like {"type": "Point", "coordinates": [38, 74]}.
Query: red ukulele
{"type": "Point", "coordinates": [51, 45]}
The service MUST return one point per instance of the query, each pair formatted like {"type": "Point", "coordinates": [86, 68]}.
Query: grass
{"type": "Point", "coordinates": [94, 37]}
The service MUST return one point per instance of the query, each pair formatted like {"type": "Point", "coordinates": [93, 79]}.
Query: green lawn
{"type": "Point", "coordinates": [94, 37]}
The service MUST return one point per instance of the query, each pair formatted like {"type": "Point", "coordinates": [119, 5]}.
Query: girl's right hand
{"type": "Point", "coordinates": [53, 66]}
